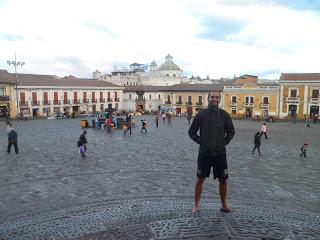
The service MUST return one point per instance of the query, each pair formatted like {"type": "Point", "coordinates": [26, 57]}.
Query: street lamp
{"type": "Point", "coordinates": [16, 64]}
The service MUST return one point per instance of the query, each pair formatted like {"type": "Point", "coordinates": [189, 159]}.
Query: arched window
{"type": "Point", "coordinates": [234, 99]}
{"type": "Point", "coordinates": [265, 100]}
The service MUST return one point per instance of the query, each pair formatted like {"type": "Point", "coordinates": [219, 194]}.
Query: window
{"type": "Point", "coordinates": [200, 99]}
{"type": "Point", "coordinates": [315, 94]}
{"type": "Point", "coordinates": [189, 99]}
{"type": "Point", "coordinates": [159, 96]}
{"type": "Point", "coordinates": [233, 111]}
{"type": "Point", "coordinates": [2, 90]}
{"type": "Point", "coordinates": [293, 93]}
{"type": "Point", "coordinates": [168, 97]}
{"type": "Point", "coordinates": [234, 99]}
{"type": "Point", "coordinates": [265, 100]}
{"type": "Point", "coordinates": [249, 99]}
{"type": "Point", "coordinates": [150, 96]}
{"type": "Point", "coordinates": [180, 99]}
{"type": "Point", "coordinates": [129, 96]}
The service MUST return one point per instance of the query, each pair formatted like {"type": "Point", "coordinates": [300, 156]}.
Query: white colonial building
{"type": "Point", "coordinates": [167, 74]}
{"type": "Point", "coordinates": [39, 95]}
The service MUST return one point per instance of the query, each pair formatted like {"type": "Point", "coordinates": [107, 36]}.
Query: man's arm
{"type": "Point", "coordinates": [229, 128]}
{"type": "Point", "coordinates": [193, 130]}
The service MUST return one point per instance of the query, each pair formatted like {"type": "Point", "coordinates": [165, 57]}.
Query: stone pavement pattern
{"type": "Point", "coordinates": [141, 186]}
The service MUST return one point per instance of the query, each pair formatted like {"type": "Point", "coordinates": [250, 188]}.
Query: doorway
{"type": "Point", "coordinates": [248, 112]}
{"type": "Point", "coordinates": [314, 110]}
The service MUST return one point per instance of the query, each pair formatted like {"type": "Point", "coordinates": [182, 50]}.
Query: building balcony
{"type": "Point", "coordinates": [66, 101]}
{"type": "Point", "coordinates": [24, 103]}
{"type": "Point", "coordinates": [56, 102]}
{"type": "Point", "coordinates": [248, 105]}
{"type": "Point", "coordinates": [4, 98]}
{"type": "Point", "coordinates": [167, 102]}
{"type": "Point", "coordinates": [102, 100]}
{"type": "Point", "coordinates": [46, 102]}
{"type": "Point", "coordinates": [199, 103]}
{"type": "Point", "coordinates": [75, 101]}
{"type": "Point", "coordinates": [179, 103]}
{"type": "Point", "coordinates": [109, 99]}
{"type": "Point", "coordinates": [264, 105]}
{"type": "Point", "coordinates": [93, 100]}
{"type": "Point", "coordinates": [35, 103]}
{"type": "Point", "coordinates": [314, 100]}
{"type": "Point", "coordinates": [117, 99]}
{"type": "Point", "coordinates": [85, 100]}
{"type": "Point", "coordinates": [233, 104]}
{"type": "Point", "coordinates": [189, 103]}
{"type": "Point", "coordinates": [294, 100]}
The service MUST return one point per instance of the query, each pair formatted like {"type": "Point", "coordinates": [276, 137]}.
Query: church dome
{"type": "Point", "coordinates": [169, 64]}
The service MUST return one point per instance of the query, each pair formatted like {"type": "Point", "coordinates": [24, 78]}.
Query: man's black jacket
{"type": "Point", "coordinates": [216, 130]}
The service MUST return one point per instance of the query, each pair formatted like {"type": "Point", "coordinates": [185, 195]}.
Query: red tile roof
{"type": "Point", "coordinates": [300, 76]}
{"type": "Point", "coordinates": [28, 80]}
{"type": "Point", "coordinates": [6, 77]}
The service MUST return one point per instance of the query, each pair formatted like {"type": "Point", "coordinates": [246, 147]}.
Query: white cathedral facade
{"type": "Point", "coordinates": [167, 74]}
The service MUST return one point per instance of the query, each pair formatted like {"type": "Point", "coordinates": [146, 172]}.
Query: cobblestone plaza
{"type": "Point", "coordinates": [141, 186]}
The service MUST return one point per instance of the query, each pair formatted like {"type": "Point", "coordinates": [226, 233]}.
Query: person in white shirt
{"type": "Point", "coordinates": [263, 130]}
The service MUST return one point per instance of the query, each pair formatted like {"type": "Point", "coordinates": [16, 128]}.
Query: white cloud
{"type": "Point", "coordinates": [77, 37]}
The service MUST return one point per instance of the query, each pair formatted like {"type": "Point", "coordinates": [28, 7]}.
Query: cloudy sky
{"type": "Point", "coordinates": [219, 38]}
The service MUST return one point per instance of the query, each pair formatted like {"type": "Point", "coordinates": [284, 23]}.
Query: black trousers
{"type": "Point", "coordinates": [256, 147]}
{"type": "Point", "coordinates": [265, 135]}
{"type": "Point", "coordinates": [15, 147]}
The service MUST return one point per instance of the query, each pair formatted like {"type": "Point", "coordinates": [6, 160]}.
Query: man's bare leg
{"type": "Point", "coordinates": [197, 194]}
{"type": "Point", "coordinates": [223, 188]}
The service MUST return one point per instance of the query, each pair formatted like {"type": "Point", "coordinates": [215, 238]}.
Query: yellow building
{"type": "Point", "coordinates": [299, 95]}
{"type": "Point", "coordinates": [189, 98]}
{"type": "Point", "coordinates": [252, 99]}
{"type": "Point", "coordinates": [7, 95]}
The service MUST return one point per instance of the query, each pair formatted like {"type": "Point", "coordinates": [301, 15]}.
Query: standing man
{"type": "Point", "coordinates": [216, 131]}
{"type": "Point", "coordinates": [12, 140]}
{"type": "Point", "coordinates": [157, 120]}
{"type": "Point", "coordinates": [257, 143]}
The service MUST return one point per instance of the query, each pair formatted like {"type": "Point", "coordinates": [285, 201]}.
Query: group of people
{"type": "Point", "coordinates": [212, 129]}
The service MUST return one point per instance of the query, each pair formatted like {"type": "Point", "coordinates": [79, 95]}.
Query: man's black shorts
{"type": "Point", "coordinates": [206, 161]}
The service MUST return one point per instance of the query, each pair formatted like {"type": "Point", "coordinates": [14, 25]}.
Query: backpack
{"type": "Point", "coordinates": [12, 136]}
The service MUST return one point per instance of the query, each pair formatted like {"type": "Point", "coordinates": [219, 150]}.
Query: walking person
{"type": "Point", "coordinates": [144, 126]}
{"type": "Point", "coordinates": [129, 125]}
{"type": "Point", "coordinates": [304, 150]}
{"type": "Point", "coordinates": [163, 117]}
{"type": "Point", "coordinates": [189, 118]}
{"type": "Point", "coordinates": [257, 141]}
{"type": "Point", "coordinates": [169, 116]}
{"type": "Point", "coordinates": [263, 130]}
{"type": "Point", "coordinates": [216, 131]}
{"type": "Point", "coordinates": [157, 120]}
{"type": "Point", "coordinates": [12, 140]}
{"type": "Point", "coordinates": [82, 143]}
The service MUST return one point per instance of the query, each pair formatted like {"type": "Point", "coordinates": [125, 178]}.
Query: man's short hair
{"type": "Point", "coordinates": [213, 91]}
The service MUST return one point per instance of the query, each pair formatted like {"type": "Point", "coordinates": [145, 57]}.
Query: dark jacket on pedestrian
{"type": "Point", "coordinates": [13, 136]}
{"type": "Point", "coordinates": [216, 130]}
{"type": "Point", "coordinates": [82, 139]}
{"type": "Point", "coordinates": [257, 139]}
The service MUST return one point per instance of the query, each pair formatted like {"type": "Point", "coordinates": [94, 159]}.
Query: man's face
{"type": "Point", "coordinates": [214, 99]}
